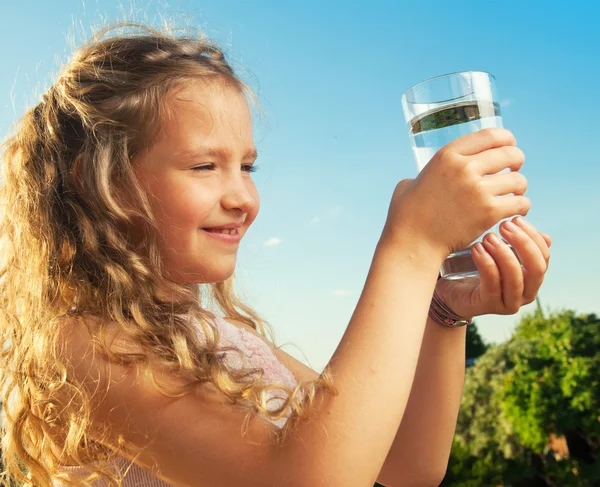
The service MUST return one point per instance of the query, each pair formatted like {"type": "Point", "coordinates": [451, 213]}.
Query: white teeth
{"type": "Point", "coordinates": [228, 231]}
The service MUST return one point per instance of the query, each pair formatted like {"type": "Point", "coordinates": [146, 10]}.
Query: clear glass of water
{"type": "Point", "coordinates": [444, 108]}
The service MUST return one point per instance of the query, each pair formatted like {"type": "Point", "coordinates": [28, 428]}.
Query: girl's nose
{"type": "Point", "coordinates": [238, 193]}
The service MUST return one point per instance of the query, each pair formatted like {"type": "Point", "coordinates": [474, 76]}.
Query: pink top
{"type": "Point", "coordinates": [258, 354]}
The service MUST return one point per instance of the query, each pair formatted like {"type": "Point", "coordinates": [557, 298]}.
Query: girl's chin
{"type": "Point", "coordinates": [207, 277]}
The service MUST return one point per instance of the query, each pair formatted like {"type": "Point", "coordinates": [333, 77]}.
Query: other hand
{"type": "Point", "coordinates": [503, 284]}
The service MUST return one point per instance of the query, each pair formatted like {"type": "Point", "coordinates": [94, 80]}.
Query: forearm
{"type": "Point", "coordinates": [423, 441]}
{"type": "Point", "coordinates": [373, 368]}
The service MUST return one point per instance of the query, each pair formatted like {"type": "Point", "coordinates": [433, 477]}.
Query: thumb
{"type": "Point", "coordinates": [403, 186]}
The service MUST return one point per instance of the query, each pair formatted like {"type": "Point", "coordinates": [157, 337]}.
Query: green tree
{"type": "Point", "coordinates": [554, 389]}
{"type": "Point", "coordinates": [542, 382]}
{"type": "Point", "coordinates": [476, 347]}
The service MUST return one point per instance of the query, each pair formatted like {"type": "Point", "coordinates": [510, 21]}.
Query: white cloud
{"type": "Point", "coordinates": [505, 103]}
{"type": "Point", "coordinates": [334, 211]}
{"type": "Point", "coordinates": [272, 241]}
{"type": "Point", "coordinates": [341, 292]}
{"type": "Point", "coordinates": [331, 213]}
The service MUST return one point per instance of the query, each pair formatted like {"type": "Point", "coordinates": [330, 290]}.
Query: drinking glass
{"type": "Point", "coordinates": [444, 108]}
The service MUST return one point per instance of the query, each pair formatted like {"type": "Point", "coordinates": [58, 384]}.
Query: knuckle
{"type": "Point", "coordinates": [491, 134]}
{"type": "Point", "coordinates": [454, 159]}
{"type": "Point", "coordinates": [490, 209]}
{"type": "Point", "coordinates": [444, 154]}
{"type": "Point", "coordinates": [442, 151]}
{"type": "Point", "coordinates": [509, 136]}
{"type": "Point", "coordinates": [404, 184]}
{"type": "Point", "coordinates": [521, 182]}
{"type": "Point", "coordinates": [472, 170]}
{"type": "Point", "coordinates": [508, 152]}
{"type": "Point", "coordinates": [539, 269]}
{"type": "Point", "coordinates": [514, 154]}
{"type": "Point", "coordinates": [513, 308]}
{"type": "Point", "coordinates": [536, 272]}
{"type": "Point", "coordinates": [500, 136]}
{"type": "Point", "coordinates": [520, 155]}
{"type": "Point", "coordinates": [525, 205]}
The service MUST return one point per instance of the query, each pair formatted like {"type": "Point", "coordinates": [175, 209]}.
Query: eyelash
{"type": "Point", "coordinates": [251, 167]}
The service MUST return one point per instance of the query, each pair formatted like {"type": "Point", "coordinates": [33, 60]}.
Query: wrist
{"type": "Point", "coordinates": [418, 252]}
{"type": "Point", "coordinates": [443, 315]}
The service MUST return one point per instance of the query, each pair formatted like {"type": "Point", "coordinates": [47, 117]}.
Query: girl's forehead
{"type": "Point", "coordinates": [204, 118]}
{"type": "Point", "coordinates": [211, 106]}
{"type": "Point", "coordinates": [206, 96]}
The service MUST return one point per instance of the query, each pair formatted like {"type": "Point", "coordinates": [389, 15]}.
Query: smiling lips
{"type": "Point", "coordinates": [227, 226]}
{"type": "Point", "coordinates": [228, 233]}
{"type": "Point", "coordinates": [224, 235]}
{"type": "Point", "coordinates": [225, 231]}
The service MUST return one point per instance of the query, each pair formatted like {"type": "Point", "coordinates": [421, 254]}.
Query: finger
{"type": "Point", "coordinates": [547, 238]}
{"type": "Point", "coordinates": [506, 183]}
{"type": "Point", "coordinates": [534, 264]}
{"type": "Point", "coordinates": [482, 140]}
{"type": "Point", "coordinates": [509, 206]}
{"type": "Point", "coordinates": [489, 275]}
{"type": "Point", "coordinates": [511, 273]}
{"type": "Point", "coordinates": [493, 161]}
{"type": "Point", "coordinates": [537, 237]}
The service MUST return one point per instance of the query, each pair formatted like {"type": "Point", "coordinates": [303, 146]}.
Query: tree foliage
{"type": "Point", "coordinates": [524, 397]}
{"type": "Point", "coordinates": [475, 344]}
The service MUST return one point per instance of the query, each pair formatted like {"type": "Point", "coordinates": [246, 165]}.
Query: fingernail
{"type": "Point", "coordinates": [493, 238]}
{"type": "Point", "coordinates": [478, 248]}
{"type": "Point", "coordinates": [509, 226]}
{"type": "Point", "coordinates": [520, 221]}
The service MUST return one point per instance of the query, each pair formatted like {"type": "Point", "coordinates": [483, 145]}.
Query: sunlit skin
{"type": "Point", "coordinates": [186, 199]}
{"type": "Point", "coordinates": [197, 175]}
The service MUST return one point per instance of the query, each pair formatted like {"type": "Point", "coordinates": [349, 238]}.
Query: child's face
{"type": "Point", "coordinates": [214, 121]}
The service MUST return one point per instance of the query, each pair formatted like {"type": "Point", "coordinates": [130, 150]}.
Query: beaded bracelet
{"type": "Point", "coordinates": [443, 315]}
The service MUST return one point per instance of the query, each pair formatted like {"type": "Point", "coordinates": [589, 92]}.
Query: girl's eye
{"type": "Point", "coordinates": [245, 167]}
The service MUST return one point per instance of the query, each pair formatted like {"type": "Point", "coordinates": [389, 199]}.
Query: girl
{"type": "Point", "coordinates": [127, 358]}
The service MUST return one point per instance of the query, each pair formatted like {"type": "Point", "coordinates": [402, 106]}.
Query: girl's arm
{"type": "Point", "coordinates": [195, 440]}
{"type": "Point", "coordinates": [422, 444]}
{"type": "Point", "coordinates": [505, 283]}
{"type": "Point", "coordinates": [374, 367]}
{"type": "Point", "coordinates": [421, 447]}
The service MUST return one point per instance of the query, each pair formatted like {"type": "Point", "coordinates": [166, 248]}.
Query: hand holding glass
{"type": "Point", "coordinates": [440, 110]}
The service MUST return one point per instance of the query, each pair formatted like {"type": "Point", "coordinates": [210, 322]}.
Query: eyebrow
{"type": "Point", "coordinates": [219, 152]}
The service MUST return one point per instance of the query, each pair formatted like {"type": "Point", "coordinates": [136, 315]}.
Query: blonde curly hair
{"type": "Point", "coordinates": [64, 238]}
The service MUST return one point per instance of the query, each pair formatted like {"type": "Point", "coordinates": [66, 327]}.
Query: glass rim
{"type": "Point", "coordinates": [445, 76]}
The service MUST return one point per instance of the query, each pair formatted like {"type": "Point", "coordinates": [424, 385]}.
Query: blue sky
{"type": "Point", "coordinates": [332, 140]}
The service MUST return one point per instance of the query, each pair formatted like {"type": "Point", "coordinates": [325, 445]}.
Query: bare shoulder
{"type": "Point", "coordinates": [192, 440]}
{"type": "Point", "coordinates": [300, 370]}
